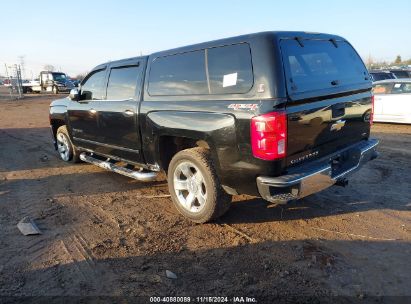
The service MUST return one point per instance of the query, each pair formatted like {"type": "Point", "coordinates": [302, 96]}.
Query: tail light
{"type": "Point", "coordinates": [372, 110]}
{"type": "Point", "coordinates": [269, 135]}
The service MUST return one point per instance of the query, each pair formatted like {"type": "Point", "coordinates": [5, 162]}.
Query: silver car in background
{"type": "Point", "coordinates": [392, 100]}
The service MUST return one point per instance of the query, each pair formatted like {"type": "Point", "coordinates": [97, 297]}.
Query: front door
{"type": "Point", "coordinates": [83, 114]}
{"type": "Point", "coordinates": [118, 114]}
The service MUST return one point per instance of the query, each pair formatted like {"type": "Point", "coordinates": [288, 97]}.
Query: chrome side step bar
{"type": "Point", "coordinates": [139, 175]}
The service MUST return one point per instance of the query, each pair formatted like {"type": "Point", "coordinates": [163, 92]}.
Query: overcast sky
{"type": "Point", "coordinates": [74, 36]}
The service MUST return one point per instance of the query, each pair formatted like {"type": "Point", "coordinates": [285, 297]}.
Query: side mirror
{"type": "Point", "coordinates": [74, 94]}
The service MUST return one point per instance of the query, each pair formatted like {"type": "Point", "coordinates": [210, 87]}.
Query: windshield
{"type": "Point", "coordinates": [321, 64]}
{"type": "Point", "coordinates": [59, 77]}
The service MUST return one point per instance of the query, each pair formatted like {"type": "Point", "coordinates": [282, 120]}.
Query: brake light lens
{"type": "Point", "coordinates": [269, 135]}
{"type": "Point", "coordinates": [372, 110]}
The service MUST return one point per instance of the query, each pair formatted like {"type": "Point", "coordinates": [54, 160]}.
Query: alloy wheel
{"type": "Point", "coordinates": [63, 146]}
{"type": "Point", "coordinates": [190, 187]}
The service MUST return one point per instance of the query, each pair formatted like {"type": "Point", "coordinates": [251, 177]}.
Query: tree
{"type": "Point", "coordinates": [398, 60]}
{"type": "Point", "coordinates": [370, 61]}
{"type": "Point", "coordinates": [49, 67]}
{"type": "Point", "coordinates": [80, 76]}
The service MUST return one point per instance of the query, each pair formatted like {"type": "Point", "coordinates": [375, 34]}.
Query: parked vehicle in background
{"type": "Point", "coordinates": [401, 73]}
{"type": "Point", "coordinates": [279, 115]}
{"type": "Point", "coordinates": [55, 82]}
{"type": "Point", "coordinates": [392, 100]}
{"type": "Point", "coordinates": [75, 82]}
{"type": "Point", "coordinates": [377, 75]}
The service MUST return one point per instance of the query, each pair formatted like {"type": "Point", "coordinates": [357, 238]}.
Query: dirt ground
{"type": "Point", "coordinates": [108, 235]}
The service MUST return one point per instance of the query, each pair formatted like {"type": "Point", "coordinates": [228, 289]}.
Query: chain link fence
{"type": "Point", "coordinates": [13, 81]}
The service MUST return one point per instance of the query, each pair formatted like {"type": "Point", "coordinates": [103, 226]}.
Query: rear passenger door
{"type": "Point", "coordinates": [118, 125]}
{"type": "Point", "coordinates": [397, 104]}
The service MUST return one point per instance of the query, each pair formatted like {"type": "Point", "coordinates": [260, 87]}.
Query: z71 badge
{"type": "Point", "coordinates": [243, 106]}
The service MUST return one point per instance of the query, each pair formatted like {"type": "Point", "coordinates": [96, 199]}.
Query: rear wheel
{"type": "Point", "coordinates": [65, 147]}
{"type": "Point", "coordinates": [194, 186]}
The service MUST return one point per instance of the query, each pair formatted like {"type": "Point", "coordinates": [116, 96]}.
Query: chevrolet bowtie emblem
{"type": "Point", "coordinates": [337, 126]}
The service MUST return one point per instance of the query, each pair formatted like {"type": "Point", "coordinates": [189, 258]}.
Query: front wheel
{"type": "Point", "coordinates": [194, 186]}
{"type": "Point", "coordinates": [65, 147]}
{"type": "Point", "coordinates": [55, 90]}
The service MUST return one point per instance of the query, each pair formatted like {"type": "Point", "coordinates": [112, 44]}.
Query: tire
{"type": "Point", "coordinates": [366, 116]}
{"type": "Point", "coordinates": [67, 151]}
{"type": "Point", "coordinates": [55, 90]}
{"type": "Point", "coordinates": [194, 186]}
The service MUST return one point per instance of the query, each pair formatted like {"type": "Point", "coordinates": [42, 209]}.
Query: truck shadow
{"type": "Point", "coordinates": [78, 184]}
{"type": "Point", "coordinates": [256, 210]}
{"type": "Point", "coordinates": [303, 271]}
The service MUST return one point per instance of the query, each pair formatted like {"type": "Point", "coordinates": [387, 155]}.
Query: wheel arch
{"type": "Point", "coordinates": [172, 131]}
{"type": "Point", "coordinates": [170, 145]}
{"type": "Point", "coordinates": [58, 118]}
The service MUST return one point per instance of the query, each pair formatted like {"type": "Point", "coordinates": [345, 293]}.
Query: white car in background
{"type": "Point", "coordinates": [392, 100]}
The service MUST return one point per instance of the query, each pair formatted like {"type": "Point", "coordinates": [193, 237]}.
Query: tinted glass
{"type": "Point", "coordinates": [181, 74]}
{"type": "Point", "coordinates": [401, 74]}
{"type": "Point", "coordinates": [122, 83]}
{"type": "Point", "coordinates": [319, 64]}
{"type": "Point", "coordinates": [381, 76]}
{"type": "Point", "coordinates": [384, 88]}
{"type": "Point", "coordinates": [401, 88]}
{"type": "Point", "coordinates": [92, 88]}
{"type": "Point", "coordinates": [59, 77]}
{"type": "Point", "coordinates": [230, 69]}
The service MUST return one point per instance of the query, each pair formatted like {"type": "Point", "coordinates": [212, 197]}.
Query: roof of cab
{"type": "Point", "coordinates": [398, 80]}
{"type": "Point", "coordinates": [124, 60]}
{"type": "Point", "coordinates": [273, 35]}
{"type": "Point", "coordinates": [254, 37]}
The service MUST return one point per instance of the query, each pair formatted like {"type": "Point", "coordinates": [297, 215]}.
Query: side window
{"type": "Point", "coordinates": [122, 83]}
{"type": "Point", "coordinates": [230, 69]}
{"type": "Point", "coordinates": [401, 88]}
{"type": "Point", "coordinates": [406, 88]}
{"type": "Point", "coordinates": [180, 74]}
{"type": "Point", "coordinates": [92, 88]}
{"type": "Point", "coordinates": [382, 88]}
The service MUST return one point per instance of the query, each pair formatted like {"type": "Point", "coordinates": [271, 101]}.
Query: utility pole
{"type": "Point", "coordinates": [23, 65]}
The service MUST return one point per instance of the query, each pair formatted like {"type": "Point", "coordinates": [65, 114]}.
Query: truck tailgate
{"type": "Point", "coordinates": [329, 97]}
{"type": "Point", "coordinates": [323, 127]}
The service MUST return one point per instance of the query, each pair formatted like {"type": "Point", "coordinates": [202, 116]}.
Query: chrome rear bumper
{"type": "Point", "coordinates": [318, 175]}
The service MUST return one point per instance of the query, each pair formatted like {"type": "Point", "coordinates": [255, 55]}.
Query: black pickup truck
{"type": "Point", "coordinates": [279, 115]}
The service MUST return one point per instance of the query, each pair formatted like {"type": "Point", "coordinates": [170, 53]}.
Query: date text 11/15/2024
{"type": "Point", "coordinates": [204, 299]}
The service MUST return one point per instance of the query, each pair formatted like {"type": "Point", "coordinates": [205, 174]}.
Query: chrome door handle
{"type": "Point", "coordinates": [93, 111]}
{"type": "Point", "coordinates": [129, 112]}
